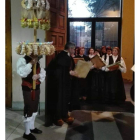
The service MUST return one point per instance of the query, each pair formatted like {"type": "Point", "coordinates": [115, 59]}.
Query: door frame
{"type": "Point", "coordinates": [93, 21]}
{"type": "Point", "coordinates": [97, 19]}
{"type": "Point", "coordinates": [8, 58]}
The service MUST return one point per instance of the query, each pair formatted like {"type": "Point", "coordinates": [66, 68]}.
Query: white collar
{"type": "Point", "coordinates": [81, 55]}
{"type": "Point", "coordinates": [115, 56]}
{"type": "Point", "coordinates": [67, 52]}
{"type": "Point", "coordinates": [109, 55]}
{"type": "Point", "coordinates": [91, 55]}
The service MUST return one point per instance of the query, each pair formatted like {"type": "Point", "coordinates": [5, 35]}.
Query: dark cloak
{"type": "Point", "coordinates": [58, 90]}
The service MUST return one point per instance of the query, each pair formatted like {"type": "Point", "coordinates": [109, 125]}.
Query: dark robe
{"type": "Point", "coordinates": [58, 90]}
{"type": "Point", "coordinates": [96, 85]}
{"type": "Point", "coordinates": [115, 91]}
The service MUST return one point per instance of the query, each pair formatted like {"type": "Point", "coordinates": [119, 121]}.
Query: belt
{"type": "Point", "coordinates": [30, 85]}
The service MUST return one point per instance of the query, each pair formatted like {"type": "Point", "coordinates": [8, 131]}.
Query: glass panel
{"type": "Point", "coordinates": [94, 8]}
{"type": "Point", "coordinates": [80, 34]}
{"type": "Point", "coordinates": [106, 34]}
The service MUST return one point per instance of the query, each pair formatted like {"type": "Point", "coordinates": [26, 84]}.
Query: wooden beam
{"type": "Point", "coordinates": [8, 63]}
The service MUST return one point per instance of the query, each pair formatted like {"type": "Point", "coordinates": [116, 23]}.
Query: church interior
{"type": "Point", "coordinates": [90, 25]}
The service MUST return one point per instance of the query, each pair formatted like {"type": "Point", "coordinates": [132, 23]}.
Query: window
{"type": "Point", "coordinates": [80, 34]}
{"type": "Point", "coordinates": [94, 23]}
{"type": "Point", "coordinates": [106, 34]}
{"type": "Point", "coordinates": [94, 8]}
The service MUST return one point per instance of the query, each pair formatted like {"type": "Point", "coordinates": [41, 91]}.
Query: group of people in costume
{"type": "Point", "coordinates": [101, 85]}
{"type": "Point", "coordinates": [64, 90]}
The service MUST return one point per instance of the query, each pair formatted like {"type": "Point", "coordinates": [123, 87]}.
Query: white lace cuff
{"type": "Point", "coordinates": [42, 75]}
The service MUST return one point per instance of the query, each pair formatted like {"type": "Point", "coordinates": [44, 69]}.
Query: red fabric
{"type": "Point", "coordinates": [30, 85]}
{"type": "Point", "coordinates": [33, 95]}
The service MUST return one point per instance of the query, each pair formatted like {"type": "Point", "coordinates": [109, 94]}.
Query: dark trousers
{"type": "Point", "coordinates": [30, 106]}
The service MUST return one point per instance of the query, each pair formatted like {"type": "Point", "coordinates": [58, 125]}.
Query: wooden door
{"type": "Point", "coordinates": [8, 62]}
{"type": "Point", "coordinates": [58, 31]}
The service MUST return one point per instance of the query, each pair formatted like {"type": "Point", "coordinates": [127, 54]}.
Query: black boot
{"type": "Point", "coordinates": [36, 131]}
{"type": "Point", "coordinates": [29, 137]}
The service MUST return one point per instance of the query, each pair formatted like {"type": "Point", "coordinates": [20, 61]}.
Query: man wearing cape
{"type": "Point", "coordinates": [58, 87]}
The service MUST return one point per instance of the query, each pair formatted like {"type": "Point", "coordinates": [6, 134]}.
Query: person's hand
{"type": "Point", "coordinates": [114, 68]}
{"type": "Point", "coordinates": [110, 69]}
{"type": "Point", "coordinates": [35, 77]}
{"type": "Point", "coordinates": [34, 60]}
{"type": "Point", "coordinates": [73, 73]}
{"type": "Point", "coordinates": [92, 67]}
{"type": "Point", "coordinates": [95, 66]}
{"type": "Point", "coordinates": [84, 97]}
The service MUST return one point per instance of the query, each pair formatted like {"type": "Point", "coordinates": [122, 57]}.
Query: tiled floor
{"type": "Point", "coordinates": [15, 127]}
{"type": "Point", "coordinates": [88, 125]}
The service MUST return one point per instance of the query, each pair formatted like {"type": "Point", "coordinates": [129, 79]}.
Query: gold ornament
{"type": "Point", "coordinates": [22, 49]}
{"type": "Point", "coordinates": [18, 49]}
{"type": "Point", "coordinates": [47, 50]}
{"type": "Point", "coordinates": [35, 50]}
{"type": "Point", "coordinates": [52, 49]}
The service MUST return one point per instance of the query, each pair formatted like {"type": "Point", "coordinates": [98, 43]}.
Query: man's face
{"type": "Point", "coordinates": [108, 52]}
{"type": "Point", "coordinates": [71, 50]}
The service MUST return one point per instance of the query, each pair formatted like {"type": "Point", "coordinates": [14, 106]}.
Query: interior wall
{"type": "Point", "coordinates": [20, 34]}
{"type": "Point", "coordinates": [128, 37]}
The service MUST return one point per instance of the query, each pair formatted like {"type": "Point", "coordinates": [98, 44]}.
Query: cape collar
{"type": "Point", "coordinates": [67, 52]}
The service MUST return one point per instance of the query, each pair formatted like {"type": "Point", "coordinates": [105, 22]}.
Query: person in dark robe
{"type": "Point", "coordinates": [115, 91]}
{"type": "Point", "coordinates": [73, 54]}
{"type": "Point", "coordinates": [103, 51]}
{"type": "Point", "coordinates": [58, 90]}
